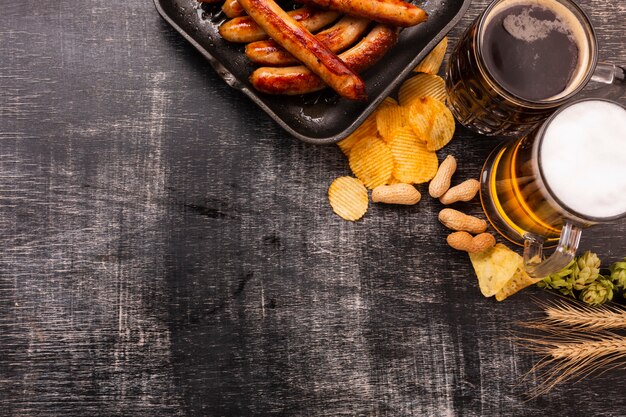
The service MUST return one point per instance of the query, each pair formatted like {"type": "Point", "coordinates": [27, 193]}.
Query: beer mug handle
{"type": "Point", "coordinates": [614, 76]}
{"type": "Point", "coordinates": [565, 251]}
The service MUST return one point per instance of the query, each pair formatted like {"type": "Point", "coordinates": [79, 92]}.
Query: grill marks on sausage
{"type": "Point", "coordinates": [244, 29]}
{"type": "Point", "coordinates": [337, 38]}
{"type": "Point", "coordinates": [298, 41]}
{"type": "Point", "coordinates": [391, 12]}
{"type": "Point", "coordinates": [297, 80]}
{"type": "Point", "coordinates": [292, 42]}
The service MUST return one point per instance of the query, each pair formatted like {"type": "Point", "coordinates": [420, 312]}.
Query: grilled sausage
{"type": "Point", "coordinates": [244, 29]}
{"type": "Point", "coordinates": [299, 80]}
{"type": "Point", "coordinates": [337, 37]}
{"type": "Point", "coordinates": [298, 41]}
{"type": "Point", "coordinates": [391, 12]}
{"type": "Point", "coordinates": [232, 8]}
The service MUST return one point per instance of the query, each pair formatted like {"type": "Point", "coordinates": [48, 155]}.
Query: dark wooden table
{"type": "Point", "coordinates": [166, 249]}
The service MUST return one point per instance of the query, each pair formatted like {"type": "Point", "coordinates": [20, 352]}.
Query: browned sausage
{"type": "Point", "coordinates": [232, 8]}
{"type": "Point", "coordinates": [337, 37]}
{"type": "Point", "coordinates": [299, 42]}
{"type": "Point", "coordinates": [299, 80]}
{"type": "Point", "coordinates": [244, 29]}
{"type": "Point", "coordinates": [391, 12]}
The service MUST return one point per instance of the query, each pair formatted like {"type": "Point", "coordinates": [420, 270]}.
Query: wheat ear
{"type": "Point", "coordinates": [578, 316]}
{"type": "Point", "coordinates": [574, 356]}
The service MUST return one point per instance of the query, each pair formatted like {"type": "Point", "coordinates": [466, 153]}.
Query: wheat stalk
{"type": "Point", "coordinates": [577, 316]}
{"type": "Point", "coordinates": [574, 356]}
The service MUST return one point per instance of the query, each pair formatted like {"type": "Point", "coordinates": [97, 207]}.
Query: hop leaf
{"type": "Point", "coordinates": [618, 274]}
{"type": "Point", "coordinates": [598, 292]}
{"type": "Point", "coordinates": [585, 270]}
{"type": "Point", "coordinates": [560, 281]}
{"type": "Point", "coordinates": [564, 286]}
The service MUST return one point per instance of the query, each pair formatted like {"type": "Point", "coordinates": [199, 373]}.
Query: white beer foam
{"type": "Point", "coordinates": [583, 158]}
{"type": "Point", "coordinates": [530, 29]}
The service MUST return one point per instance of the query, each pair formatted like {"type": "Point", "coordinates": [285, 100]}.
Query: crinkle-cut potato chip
{"type": "Point", "coordinates": [367, 128]}
{"type": "Point", "coordinates": [348, 198]}
{"type": "Point", "coordinates": [495, 267]}
{"type": "Point", "coordinates": [442, 130]}
{"type": "Point", "coordinates": [520, 280]}
{"type": "Point", "coordinates": [371, 161]}
{"type": "Point", "coordinates": [414, 164]}
{"type": "Point", "coordinates": [420, 86]}
{"type": "Point", "coordinates": [389, 118]}
{"type": "Point", "coordinates": [431, 121]}
{"type": "Point", "coordinates": [432, 62]}
{"type": "Point", "coordinates": [388, 101]}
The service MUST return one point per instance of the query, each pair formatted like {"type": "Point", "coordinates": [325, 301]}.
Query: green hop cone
{"type": "Point", "coordinates": [618, 274]}
{"type": "Point", "coordinates": [559, 281]}
{"type": "Point", "coordinates": [585, 270]}
{"type": "Point", "coordinates": [598, 292]}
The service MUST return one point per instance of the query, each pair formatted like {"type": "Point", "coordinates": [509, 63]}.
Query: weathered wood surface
{"type": "Point", "coordinates": [166, 249]}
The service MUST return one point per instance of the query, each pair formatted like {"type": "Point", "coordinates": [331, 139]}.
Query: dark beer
{"type": "Point", "coordinates": [532, 52]}
{"type": "Point", "coordinates": [517, 63]}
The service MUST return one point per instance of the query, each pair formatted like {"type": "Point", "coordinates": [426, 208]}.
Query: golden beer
{"type": "Point", "coordinates": [516, 201]}
{"type": "Point", "coordinates": [569, 171]}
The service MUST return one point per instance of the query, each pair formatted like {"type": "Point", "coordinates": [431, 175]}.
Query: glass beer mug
{"type": "Point", "coordinates": [567, 174]}
{"type": "Point", "coordinates": [521, 60]}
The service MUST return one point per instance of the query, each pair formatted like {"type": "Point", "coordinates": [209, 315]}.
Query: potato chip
{"type": "Point", "coordinates": [371, 161]}
{"type": "Point", "coordinates": [419, 122]}
{"type": "Point", "coordinates": [367, 128]}
{"type": "Point", "coordinates": [389, 118]}
{"type": "Point", "coordinates": [420, 86]}
{"type": "Point", "coordinates": [393, 180]}
{"type": "Point", "coordinates": [348, 198]}
{"type": "Point", "coordinates": [388, 101]}
{"type": "Point", "coordinates": [494, 268]}
{"type": "Point", "coordinates": [520, 280]}
{"type": "Point", "coordinates": [442, 130]}
{"type": "Point", "coordinates": [431, 121]}
{"type": "Point", "coordinates": [432, 62]}
{"type": "Point", "coordinates": [413, 163]}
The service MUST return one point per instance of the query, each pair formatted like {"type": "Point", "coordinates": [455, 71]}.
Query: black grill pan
{"type": "Point", "coordinates": [321, 117]}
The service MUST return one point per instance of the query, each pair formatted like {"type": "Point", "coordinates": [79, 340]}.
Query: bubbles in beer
{"type": "Point", "coordinates": [528, 28]}
{"type": "Point", "coordinates": [535, 49]}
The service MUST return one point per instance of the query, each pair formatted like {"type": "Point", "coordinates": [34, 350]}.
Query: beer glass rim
{"type": "Point", "coordinates": [537, 146]}
{"type": "Point", "coordinates": [593, 52]}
